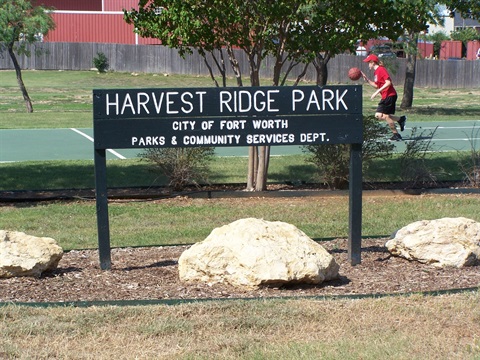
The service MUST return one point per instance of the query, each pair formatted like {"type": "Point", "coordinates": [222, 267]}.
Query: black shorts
{"type": "Point", "coordinates": [387, 105]}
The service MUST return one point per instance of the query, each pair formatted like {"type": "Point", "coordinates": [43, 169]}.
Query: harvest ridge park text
{"type": "Point", "coordinates": [254, 116]}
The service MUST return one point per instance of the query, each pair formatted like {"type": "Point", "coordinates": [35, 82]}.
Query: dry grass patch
{"type": "Point", "coordinates": [410, 327]}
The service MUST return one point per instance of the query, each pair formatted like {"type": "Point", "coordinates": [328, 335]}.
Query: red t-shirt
{"type": "Point", "coordinates": [380, 77]}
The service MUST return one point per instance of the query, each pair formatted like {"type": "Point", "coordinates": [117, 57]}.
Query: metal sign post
{"type": "Point", "coordinates": [255, 116]}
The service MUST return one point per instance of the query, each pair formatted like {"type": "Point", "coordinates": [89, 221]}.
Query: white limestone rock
{"type": "Point", "coordinates": [26, 255]}
{"type": "Point", "coordinates": [253, 252]}
{"type": "Point", "coordinates": [442, 242]}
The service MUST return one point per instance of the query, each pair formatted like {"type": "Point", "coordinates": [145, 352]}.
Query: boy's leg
{"type": "Point", "coordinates": [391, 124]}
{"type": "Point", "coordinates": [389, 120]}
{"type": "Point", "coordinates": [401, 120]}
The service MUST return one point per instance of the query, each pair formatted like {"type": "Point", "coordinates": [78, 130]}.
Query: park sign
{"type": "Point", "coordinates": [214, 117]}
{"type": "Point", "coordinates": [256, 116]}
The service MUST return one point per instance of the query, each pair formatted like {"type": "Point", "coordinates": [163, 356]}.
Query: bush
{"type": "Point", "coordinates": [471, 166]}
{"type": "Point", "coordinates": [101, 62]}
{"type": "Point", "coordinates": [413, 161]}
{"type": "Point", "coordinates": [333, 161]}
{"type": "Point", "coordinates": [182, 166]}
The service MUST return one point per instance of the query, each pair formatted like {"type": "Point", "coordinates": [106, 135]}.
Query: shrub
{"type": "Point", "coordinates": [333, 161]}
{"type": "Point", "coordinates": [101, 62]}
{"type": "Point", "coordinates": [182, 166]}
{"type": "Point", "coordinates": [471, 166]}
{"type": "Point", "coordinates": [413, 161]}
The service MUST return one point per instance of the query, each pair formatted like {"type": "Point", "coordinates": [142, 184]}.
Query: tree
{"type": "Point", "coordinates": [259, 28]}
{"type": "Point", "coordinates": [21, 24]}
{"type": "Point", "coordinates": [467, 8]}
{"type": "Point", "coordinates": [417, 14]}
{"type": "Point", "coordinates": [333, 27]}
{"type": "Point", "coordinates": [185, 26]}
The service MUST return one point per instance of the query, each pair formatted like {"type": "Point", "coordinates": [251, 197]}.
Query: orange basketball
{"type": "Point", "coordinates": [354, 73]}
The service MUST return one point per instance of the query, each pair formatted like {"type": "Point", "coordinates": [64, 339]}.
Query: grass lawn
{"type": "Point", "coordinates": [393, 328]}
{"type": "Point", "coordinates": [186, 221]}
{"type": "Point", "coordinates": [63, 99]}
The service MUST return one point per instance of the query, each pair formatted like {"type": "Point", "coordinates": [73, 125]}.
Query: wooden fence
{"type": "Point", "coordinates": [160, 59]}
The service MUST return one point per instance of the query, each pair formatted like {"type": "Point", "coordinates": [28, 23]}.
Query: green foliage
{"type": "Point", "coordinates": [333, 161]}
{"type": "Point", "coordinates": [292, 31]}
{"type": "Point", "coordinates": [259, 28]}
{"type": "Point", "coordinates": [413, 161]}
{"type": "Point", "coordinates": [182, 166]}
{"type": "Point", "coordinates": [467, 8]}
{"type": "Point", "coordinates": [101, 62]}
{"type": "Point", "coordinates": [21, 24]}
{"type": "Point", "coordinates": [465, 35]}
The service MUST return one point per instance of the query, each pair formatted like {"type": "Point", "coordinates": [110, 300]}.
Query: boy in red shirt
{"type": "Point", "coordinates": [384, 85]}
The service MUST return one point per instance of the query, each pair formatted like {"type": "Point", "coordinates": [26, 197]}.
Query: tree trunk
{"type": "Point", "coordinates": [210, 70]}
{"type": "Point", "coordinates": [235, 66]}
{"type": "Point", "coordinates": [301, 75]}
{"type": "Point", "coordinates": [320, 64]}
{"type": "Point", "coordinates": [257, 163]}
{"type": "Point", "coordinates": [252, 156]}
{"type": "Point", "coordinates": [266, 165]}
{"type": "Point", "coordinates": [263, 161]}
{"type": "Point", "coordinates": [407, 99]}
{"type": "Point", "coordinates": [18, 71]}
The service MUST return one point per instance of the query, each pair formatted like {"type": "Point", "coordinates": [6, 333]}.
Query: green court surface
{"type": "Point", "coordinates": [77, 144]}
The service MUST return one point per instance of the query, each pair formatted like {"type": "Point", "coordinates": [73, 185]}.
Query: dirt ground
{"type": "Point", "coordinates": [152, 274]}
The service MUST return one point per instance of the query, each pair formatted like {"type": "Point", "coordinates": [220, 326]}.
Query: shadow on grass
{"type": "Point", "coordinates": [293, 174]}
{"type": "Point", "coordinates": [444, 166]}
{"type": "Point", "coordinates": [53, 175]}
{"type": "Point", "coordinates": [79, 174]}
{"type": "Point", "coordinates": [442, 111]}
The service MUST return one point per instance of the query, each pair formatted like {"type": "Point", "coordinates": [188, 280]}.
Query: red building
{"type": "Point", "coordinates": [99, 21]}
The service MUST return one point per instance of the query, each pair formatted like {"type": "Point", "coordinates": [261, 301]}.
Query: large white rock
{"type": "Point", "coordinates": [26, 255]}
{"type": "Point", "coordinates": [253, 252]}
{"type": "Point", "coordinates": [443, 242]}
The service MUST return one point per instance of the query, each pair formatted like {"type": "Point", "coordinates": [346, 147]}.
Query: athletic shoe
{"type": "Point", "coordinates": [396, 137]}
{"type": "Point", "coordinates": [402, 121]}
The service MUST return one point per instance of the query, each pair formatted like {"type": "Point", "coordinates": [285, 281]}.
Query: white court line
{"type": "Point", "coordinates": [438, 139]}
{"type": "Point", "coordinates": [473, 139]}
{"type": "Point", "coordinates": [91, 139]}
{"type": "Point", "coordinates": [441, 127]}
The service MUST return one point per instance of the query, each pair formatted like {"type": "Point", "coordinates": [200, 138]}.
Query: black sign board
{"type": "Point", "coordinates": [227, 117]}
{"type": "Point", "coordinates": [253, 116]}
